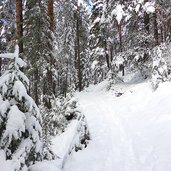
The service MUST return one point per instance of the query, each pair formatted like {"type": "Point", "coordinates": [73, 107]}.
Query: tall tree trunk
{"type": "Point", "coordinates": [0, 66]}
{"type": "Point", "coordinates": [50, 82]}
{"type": "Point", "coordinates": [78, 53]}
{"type": "Point", "coordinates": [155, 26]}
{"type": "Point", "coordinates": [111, 53]}
{"type": "Point", "coordinates": [168, 28]}
{"type": "Point", "coordinates": [161, 33]}
{"type": "Point", "coordinates": [51, 14]}
{"type": "Point", "coordinates": [120, 48]}
{"type": "Point", "coordinates": [75, 53]}
{"type": "Point", "coordinates": [19, 24]}
{"type": "Point", "coordinates": [164, 32]}
{"type": "Point", "coordinates": [146, 20]}
{"type": "Point", "coordinates": [107, 55]}
{"type": "Point", "coordinates": [120, 37]}
{"type": "Point", "coordinates": [0, 63]}
{"type": "Point", "coordinates": [36, 74]}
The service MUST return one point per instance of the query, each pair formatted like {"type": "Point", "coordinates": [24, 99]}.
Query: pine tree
{"type": "Point", "coordinates": [65, 36]}
{"type": "Point", "coordinates": [97, 43]}
{"type": "Point", "coordinates": [81, 46]}
{"type": "Point", "coordinates": [20, 119]}
{"type": "Point", "coordinates": [39, 51]}
{"type": "Point", "coordinates": [73, 55]}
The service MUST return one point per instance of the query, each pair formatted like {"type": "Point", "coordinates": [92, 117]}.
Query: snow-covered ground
{"type": "Point", "coordinates": [131, 132]}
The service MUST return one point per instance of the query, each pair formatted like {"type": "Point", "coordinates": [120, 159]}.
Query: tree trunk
{"type": "Point", "coordinates": [168, 28]}
{"type": "Point", "coordinates": [146, 20]}
{"type": "Point", "coordinates": [0, 63]}
{"type": "Point", "coordinates": [78, 54]}
{"type": "Point", "coordinates": [47, 89]}
{"type": "Point", "coordinates": [36, 97]}
{"type": "Point", "coordinates": [155, 29]}
{"type": "Point", "coordinates": [50, 84]}
{"type": "Point", "coordinates": [161, 33]}
{"type": "Point", "coordinates": [19, 24]}
{"type": "Point", "coordinates": [120, 37]}
{"type": "Point", "coordinates": [0, 66]}
{"type": "Point", "coordinates": [111, 53]}
{"type": "Point", "coordinates": [51, 14]}
{"type": "Point", "coordinates": [106, 55]}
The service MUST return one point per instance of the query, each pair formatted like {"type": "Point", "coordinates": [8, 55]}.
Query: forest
{"type": "Point", "coordinates": [70, 70]}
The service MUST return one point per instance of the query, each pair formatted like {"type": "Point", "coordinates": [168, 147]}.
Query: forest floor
{"type": "Point", "coordinates": [131, 132]}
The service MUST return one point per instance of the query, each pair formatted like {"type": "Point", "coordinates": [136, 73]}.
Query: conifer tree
{"type": "Point", "coordinates": [39, 51]}
{"type": "Point", "coordinates": [20, 119]}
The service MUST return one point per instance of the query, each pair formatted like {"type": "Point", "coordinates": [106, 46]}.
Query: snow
{"type": "Point", "coordinates": [149, 7]}
{"type": "Point", "coordinates": [129, 133]}
{"type": "Point", "coordinates": [4, 105]}
{"type": "Point", "coordinates": [97, 20]}
{"type": "Point", "coordinates": [11, 55]}
{"type": "Point", "coordinates": [61, 146]}
{"type": "Point", "coordinates": [15, 56]}
{"type": "Point", "coordinates": [95, 62]}
{"type": "Point", "coordinates": [80, 2]}
{"type": "Point", "coordinates": [15, 124]}
{"type": "Point", "coordinates": [7, 55]}
{"type": "Point", "coordinates": [66, 139]}
{"type": "Point", "coordinates": [118, 13]}
{"type": "Point", "coordinates": [21, 130]}
{"type": "Point", "coordinates": [19, 90]}
{"type": "Point", "coordinates": [45, 166]}
{"type": "Point", "coordinates": [5, 165]}
{"type": "Point", "coordinates": [137, 8]}
{"type": "Point", "coordinates": [16, 52]}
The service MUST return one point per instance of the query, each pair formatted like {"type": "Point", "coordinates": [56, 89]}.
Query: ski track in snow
{"type": "Point", "coordinates": [126, 132]}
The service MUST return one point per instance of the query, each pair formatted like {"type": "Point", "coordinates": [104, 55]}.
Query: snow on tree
{"type": "Point", "coordinates": [65, 34]}
{"type": "Point", "coordinates": [149, 7]}
{"type": "Point", "coordinates": [159, 70]}
{"type": "Point", "coordinates": [118, 12]}
{"type": "Point", "coordinates": [98, 43]}
{"type": "Point", "coordinates": [40, 52]}
{"type": "Point", "coordinates": [7, 24]}
{"type": "Point", "coordinates": [73, 53]}
{"type": "Point", "coordinates": [20, 119]}
{"type": "Point", "coordinates": [7, 29]}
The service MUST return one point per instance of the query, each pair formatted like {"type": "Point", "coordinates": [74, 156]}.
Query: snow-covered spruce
{"type": "Point", "coordinates": [20, 119]}
{"type": "Point", "coordinates": [159, 68]}
{"type": "Point", "coordinates": [56, 121]}
{"type": "Point", "coordinates": [64, 122]}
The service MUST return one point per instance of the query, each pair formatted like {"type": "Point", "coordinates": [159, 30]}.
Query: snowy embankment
{"type": "Point", "coordinates": [131, 132]}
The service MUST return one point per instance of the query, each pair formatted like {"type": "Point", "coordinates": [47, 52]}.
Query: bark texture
{"type": "Point", "coordinates": [19, 24]}
{"type": "Point", "coordinates": [51, 14]}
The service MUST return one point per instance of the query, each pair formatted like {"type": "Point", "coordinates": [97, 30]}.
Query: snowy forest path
{"type": "Point", "coordinates": [108, 134]}
{"type": "Point", "coordinates": [125, 132]}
